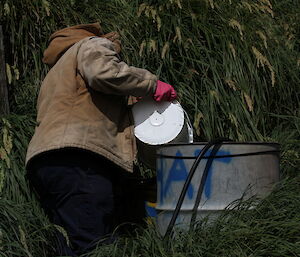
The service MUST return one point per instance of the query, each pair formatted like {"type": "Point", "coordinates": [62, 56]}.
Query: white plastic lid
{"type": "Point", "coordinates": [157, 123]}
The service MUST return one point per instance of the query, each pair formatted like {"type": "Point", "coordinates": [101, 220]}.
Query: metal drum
{"type": "Point", "coordinates": [237, 170]}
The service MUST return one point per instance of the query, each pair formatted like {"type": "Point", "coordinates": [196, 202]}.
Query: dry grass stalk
{"type": "Point", "coordinates": [165, 48]}
{"type": "Point", "coordinates": [249, 101]}
{"type": "Point", "coordinates": [4, 156]}
{"type": "Point", "coordinates": [7, 140]}
{"type": "Point", "coordinates": [152, 45]}
{"type": "Point", "coordinates": [247, 5]}
{"type": "Point", "coordinates": [232, 49]}
{"type": "Point", "coordinates": [142, 8]}
{"type": "Point", "coordinates": [198, 116]}
{"type": "Point", "coordinates": [262, 61]}
{"type": "Point", "coordinates": [23, 241]}
{"type": "Point", "coordinates": [235, 24]}
{"type": "Point", "coordinates": [2, 180]}
{"type": "Point", "coordinates": [177, 2]}
{"type": "Point", "coordinates": [211, 3]}
{"type": "Point", "coordinates": [266, 2]}
{"type": "Point", "coordinates": [5, 150]}
{"type": "Point", "coordinates": [233, 120]}
{"type": "Point", "coordinates": [231, 84]}
{"type": "Point", "coordinates": [158, 21]}
{"type": "Point", "coordinates": [215, 95]}
{"type": "Point", "coordinates": [142, 46]}
{"type": "Point", "coordinates": [265, 9]}
{"type": "Point", "coordinates": [46, 6]}
{"type": "Point", "coordinates": [63, 232]}
{"type": "Point", "coordinates": [6, 9]}
{"type": "Point", "coordinates": [263, 37]}
{"type": "Point", "coordinates": [8, 74]}
{"type": "Point", "coordinates": [178, 35]}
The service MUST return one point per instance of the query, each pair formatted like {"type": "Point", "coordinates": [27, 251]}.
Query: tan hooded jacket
{"type": "Point", "coordinates": [83, 100]}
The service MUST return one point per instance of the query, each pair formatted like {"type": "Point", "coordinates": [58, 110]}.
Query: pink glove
{"type": "Point", "coordinates": [164, 92]}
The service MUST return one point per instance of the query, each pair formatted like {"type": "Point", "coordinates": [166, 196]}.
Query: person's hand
{"type": "Point", "coordinates": [114, 37]}
{"type": "Point", "coordinates": [164, 92]}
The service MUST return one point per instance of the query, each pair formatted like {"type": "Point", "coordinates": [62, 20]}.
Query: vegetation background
{"type": "Point", "coordinates": [236, 67]}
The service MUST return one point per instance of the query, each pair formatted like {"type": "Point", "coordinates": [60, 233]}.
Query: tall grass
{"type": "Point", "coordinates": [235, 65]}
{"type": "Point", "coordinates": [270, 229]}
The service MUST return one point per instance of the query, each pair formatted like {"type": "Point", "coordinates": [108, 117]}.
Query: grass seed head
{"type": "Point", "coordinates": [231, 84]}
{"type": "Point", "coordinates": [165, 49]}
{"type": "Point", "coordinates": [249, 101]}
{"type": "Point", "coordinates": [263, 37]}
{"type": "Point", "coordinates": [232, 49]}
{"type": "Point", "coordinates": [263, 61]}
{"type": "Point", "coordinates": [23, 241]}
{"type": "Point", "coordinates": [236, 25]}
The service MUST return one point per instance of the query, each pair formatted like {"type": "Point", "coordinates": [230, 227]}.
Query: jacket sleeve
{"type": "Point", "coordinates": [103, 71]}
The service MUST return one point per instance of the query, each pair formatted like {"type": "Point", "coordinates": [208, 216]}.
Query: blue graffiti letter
{"type": "Point", "coordinates": [178, 172]}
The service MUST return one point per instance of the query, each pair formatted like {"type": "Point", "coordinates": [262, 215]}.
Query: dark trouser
{"type": "Point", "coordinates": [78, 196]}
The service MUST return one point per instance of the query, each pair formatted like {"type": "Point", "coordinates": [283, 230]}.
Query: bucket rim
{"type": "Point", "coordinates": [274, 145]}
{"type": "Point", "coordinates": [223, 143]}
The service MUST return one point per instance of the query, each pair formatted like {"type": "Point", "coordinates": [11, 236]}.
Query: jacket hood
{"type": "Point", "coordinates": [61, 40]}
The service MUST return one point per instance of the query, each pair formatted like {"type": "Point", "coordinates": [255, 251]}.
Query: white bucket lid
{"type": "Point", "coordinates": [157, 123]}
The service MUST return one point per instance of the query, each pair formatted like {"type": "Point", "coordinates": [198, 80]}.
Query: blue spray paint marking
{"type": "Point", "coordinates": [178, 172]}
{"type": "Point", "coordinates": [208, 183]}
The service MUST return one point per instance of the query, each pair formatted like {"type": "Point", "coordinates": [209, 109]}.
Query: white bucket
{"type": "Point", "coordinates": [159, 123]}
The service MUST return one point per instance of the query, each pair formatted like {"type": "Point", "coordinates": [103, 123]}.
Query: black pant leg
{"type": "Point", "coordinates": [78, 199]}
